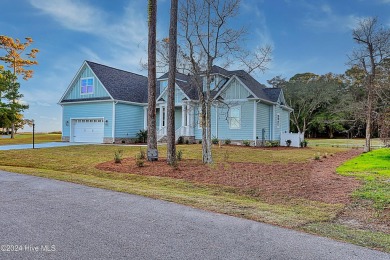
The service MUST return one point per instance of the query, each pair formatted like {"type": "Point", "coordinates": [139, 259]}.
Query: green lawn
{"type": "Point", "coordinates": [26, 138]}
{"type": "Point", "coordinates": [349, 143]}
{"type": "Point", "coordinates": [77, 164]}
{"type": "Point", "coordinates": [374, 169]}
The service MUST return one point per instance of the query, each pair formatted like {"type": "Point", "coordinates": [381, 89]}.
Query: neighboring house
{"type": "Point", "coordinates": [106, 105]}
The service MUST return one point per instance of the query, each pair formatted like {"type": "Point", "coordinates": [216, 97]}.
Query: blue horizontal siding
{"type": "Point", "coordinates": [245, 132]}
{"type": "Point", "coordinates": [75, 90]}
{"type": "Point", "coordinates": [129, 119]}
{"type": "Point", "coordinates": [87, 110]}
{"type": "Point", "coordinates": [262, 121]}
{"type": "Point", "coordinates": [284, 122]}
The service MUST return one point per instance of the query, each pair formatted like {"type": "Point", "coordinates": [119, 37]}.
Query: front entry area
{"type": "Point", "coordinates": [87, 130]}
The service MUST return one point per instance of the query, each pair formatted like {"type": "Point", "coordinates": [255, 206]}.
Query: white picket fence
{"type": "Point", "coordinates": [296, 139]}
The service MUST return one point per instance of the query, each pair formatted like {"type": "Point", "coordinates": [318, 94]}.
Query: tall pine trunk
{"type": "Point", "coordinates": [171, 147]}
{"type": "Point", "coordinates": [152, 134]}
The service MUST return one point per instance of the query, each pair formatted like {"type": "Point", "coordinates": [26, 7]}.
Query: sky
{"type": "Point", "coordinates": [306, 36]}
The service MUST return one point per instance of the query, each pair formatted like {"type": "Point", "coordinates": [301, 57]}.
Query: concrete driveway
{"type": "Point", "coordinates": [48, 219]}
{"type": "Point", "coordinates": [41, 145]}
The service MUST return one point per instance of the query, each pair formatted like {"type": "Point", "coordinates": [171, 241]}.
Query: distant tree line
{"type": "Point", "coordinates": [353, 104]}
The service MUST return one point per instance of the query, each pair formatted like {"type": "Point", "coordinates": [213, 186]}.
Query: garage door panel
{"type": "Point", "coordinates": [88, 130]}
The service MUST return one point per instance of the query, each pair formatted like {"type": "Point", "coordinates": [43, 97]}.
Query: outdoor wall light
{"type": "Point", "coordinates": [106, 122]}
{"type": "Point", "coordinates": [67, 123]}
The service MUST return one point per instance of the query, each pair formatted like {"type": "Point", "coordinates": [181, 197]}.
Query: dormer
{"type": "Point", "coordinates": [217, 81]}
{"type": "Point", "coordinates": [162, 82]}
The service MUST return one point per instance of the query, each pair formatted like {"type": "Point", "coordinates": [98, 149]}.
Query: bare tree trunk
{"type": "Point", "coordinates": [152, 135]}
{"type": "Point", "coordinates": [171, 147]}
{"type": "Point", "coordinates": [205, 146]}
{"type": "Point", "coordinates": [209, 156]}
{"type": "Point", "coordinates": [367, 146]}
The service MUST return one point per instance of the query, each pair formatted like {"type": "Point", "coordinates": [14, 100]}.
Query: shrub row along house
{"type": "Point", "coordinates": [107, 105]}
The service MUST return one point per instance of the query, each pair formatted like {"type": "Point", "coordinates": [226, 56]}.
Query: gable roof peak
{"type": "Point", "coordinates": [120, 84]}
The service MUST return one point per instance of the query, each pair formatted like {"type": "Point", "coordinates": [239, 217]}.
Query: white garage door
{"type": "Point", "coordinates": [88, 130]}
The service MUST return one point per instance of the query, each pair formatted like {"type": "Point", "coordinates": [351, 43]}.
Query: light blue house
{"type": "Point", "coordinates": [106, 105]}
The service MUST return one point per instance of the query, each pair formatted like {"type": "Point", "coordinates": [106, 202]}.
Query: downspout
{"type": "Point", "coordinates": [113, 120]}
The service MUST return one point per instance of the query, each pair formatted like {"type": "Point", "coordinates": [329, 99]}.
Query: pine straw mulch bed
{"type": "Point", "coordinates": [313, 180]}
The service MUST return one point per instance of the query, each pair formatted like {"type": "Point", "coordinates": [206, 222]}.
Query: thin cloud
{"type": "Point", "coordinates": [130, 29]}
{"type": "Point", "coordinates": [262, 32]}
{"type": "Point", "coordinates": [321, 16]}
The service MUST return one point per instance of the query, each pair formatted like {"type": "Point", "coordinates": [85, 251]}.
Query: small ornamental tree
{"type": "Point", "coordinates": [19, 65]}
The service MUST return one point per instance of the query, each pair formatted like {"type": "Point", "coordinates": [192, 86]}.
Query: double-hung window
{"type": "Point", "coordinates": [235, 117]}
{"type": "Point", "coordinates": [86, 85]}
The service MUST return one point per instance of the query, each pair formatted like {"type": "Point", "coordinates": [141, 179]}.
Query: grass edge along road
{"type": "Point", "coordinates": [306, 215]}
{"type": "Point", "coordinates": [26, 138]}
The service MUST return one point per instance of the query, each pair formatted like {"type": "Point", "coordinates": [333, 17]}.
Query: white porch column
{"type": "Point", "coordinates": [166, 114]}
{"type": "Point", "coordinates": [161, 117]}
{"type": "Point", "coordinates": [216, 121]}
{"type": "Point", "coordinates": [190, 116]}
{"type": "Point", "coordinates": [254, 120]}
{"type": "Point", "coordinates": [145, 118]}
{"type": "Point", "coordinates": [183, 117]}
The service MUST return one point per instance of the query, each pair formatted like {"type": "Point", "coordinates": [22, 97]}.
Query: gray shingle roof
{"type": "Point", "coordinates": [122, 85]}
{"type": "Point", "coordinates": [128, 86]}
{"type": "Point", "coordinates": [273, 93]}
{"type": "Point", "coordinates": [188, 89]}
{"type": "Point", "coordinates": [178, 75]}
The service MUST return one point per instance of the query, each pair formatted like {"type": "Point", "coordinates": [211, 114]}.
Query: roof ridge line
{"type": "Point", "coordinates": [116, 68]}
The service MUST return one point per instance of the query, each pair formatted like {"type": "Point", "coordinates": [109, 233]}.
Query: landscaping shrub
{"type": "Point", "coordinates": [180, 140]}
{"type": "Point", "coordinates": [142, 135]}
{"type": "Point", "coordinates": [140, 159]}
{"type": "Point", "coordinates": [118, 156]}
{"type": "Point", "coordinates": [215, 140]}
{"type": "Point", "coordinates": [187, 141]}
{"type": "Point", "coordinates": [246, 143]}
{"type": "Point", "coordinates": [272, 143]}
{"type": "Point", "coordinates": [228, 141]}
{"type": "Point", "coordinates": [288, 142]}
{"type": "Point", "coordinates": [142, 154]}
{"type": "Point", "coordinates": [179, 155]}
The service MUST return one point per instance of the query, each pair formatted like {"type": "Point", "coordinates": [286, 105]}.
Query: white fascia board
{"type": "Point", "coordinates": [82, 102]}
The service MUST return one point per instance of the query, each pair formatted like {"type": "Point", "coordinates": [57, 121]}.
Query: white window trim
{"type": "Point", "coordinates": [93, 86]}
{"type": "Point", "coordinates": [235, 128]}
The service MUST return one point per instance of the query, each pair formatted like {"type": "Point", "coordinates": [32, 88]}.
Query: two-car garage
{"type": "Point", "coordinates": [87, 130]}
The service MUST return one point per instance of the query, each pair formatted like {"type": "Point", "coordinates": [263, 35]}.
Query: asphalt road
{"type": "Point", "coordinates": [48, 219]}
